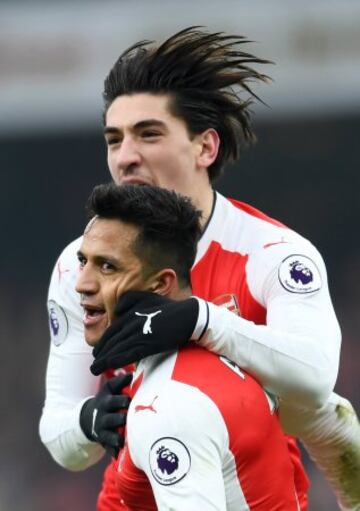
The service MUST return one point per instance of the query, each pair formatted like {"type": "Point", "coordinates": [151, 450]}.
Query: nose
{"type": "Point", "coordinates": [128, 156]}
{"type": "Point", "coordinates": [86, 283]}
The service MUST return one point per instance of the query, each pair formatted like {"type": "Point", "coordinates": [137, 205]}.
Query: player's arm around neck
{"type": "Point", "coordinates": [296, 354]}
{"type": "Point", "coordinates": [69, 382]}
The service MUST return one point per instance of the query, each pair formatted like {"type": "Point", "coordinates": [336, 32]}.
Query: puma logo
{"type": "Point", "coordinates": [94, 415]}
{"type": "Point", "coordinates": [147, 324]}
{"type": "Point", "coordinates": [141, 408]}
{"type": "Point", "coordinates": [275, 243]}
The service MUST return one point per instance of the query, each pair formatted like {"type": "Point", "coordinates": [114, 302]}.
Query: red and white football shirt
{"type": "Point", "coordinates": [202, 434]}
{"type": "Point", "coordinates": [286, 334]}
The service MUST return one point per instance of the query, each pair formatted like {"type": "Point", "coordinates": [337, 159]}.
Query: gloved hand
{"type": "Point", "coordinates": [103, 414]}
{"type": "Point", "coordinates": [145, 324]}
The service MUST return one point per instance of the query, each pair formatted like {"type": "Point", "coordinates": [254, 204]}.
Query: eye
{"type": "Point", "coordinates": [107, 267]}
{"type": "Point", "coordinates": [112, 140]}
{"type": "Point", "coordinates": [82, 260]}
{"type": "Point", "coordinates": [150, 134]}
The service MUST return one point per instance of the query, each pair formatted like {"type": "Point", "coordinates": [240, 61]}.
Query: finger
{"type": "Point", "coordinates": [119, 329]}
{"type": "Point", "coordinates": [115, 358]}
{"type": "Point", "coordinates": [113, 355]}
{"type": "Point", "coordinates": [112, 440]}
{"type": "Point", "coordinates": [119, 382]}
{"type": "Point", "coordinates": [103, 363]}
{"type": "Point", "coordinates": [98, 367]}
{"type": "Point", "coordinates": [103, 344]}
{"type": "Point", "coordinates": [114, 453]}
{"type": "Point", "coordinates": [120, 342]}
{"type": "Point", "coordinates": [128, 356]}
{"type": "Point", "coordinates": [114, 403]}
{"type": "Point", "coordinates": [98, 348]}
{"type": "Point", "coordinates": [113, 421]}
{"type": "Point", "coordinates": [114, 341]}
{"type": "Point", "coordinates": [115, 327]}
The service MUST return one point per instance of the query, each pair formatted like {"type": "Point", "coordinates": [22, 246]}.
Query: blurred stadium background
{"type": "Point", "coordinates": [304, 171]}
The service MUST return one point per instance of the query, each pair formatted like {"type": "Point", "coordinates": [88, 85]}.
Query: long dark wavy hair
{"type": "Point", "coordinates": [205, 76]}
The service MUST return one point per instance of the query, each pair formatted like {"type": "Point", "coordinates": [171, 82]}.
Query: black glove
{"type": "Point", "coordinates": [145, 324]}
{"type": "Point", "coordinates": [102, 415]}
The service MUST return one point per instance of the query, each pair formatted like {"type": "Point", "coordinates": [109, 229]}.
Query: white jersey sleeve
{"type": "Point", "coordinates": [69, 381]}
{"type": "Point", "coordinates": [179, 448]}
{"type": "Point", "coordinates": [296, 354]}
{"type": "Point", "coordinates": [331, 435]}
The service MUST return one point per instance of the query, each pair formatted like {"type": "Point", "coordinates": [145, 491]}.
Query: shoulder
{"type": "Point", "coordinates": [196, 411]}
{"type": "Point", "coordinates": [65, 313]}
{"type": "Point", "coordinates": [239, 227]}
{"type": "Point", "coordinates": [168, 405]}
{"type": "Point", "coordinates": [257, 230]}
{"type": "Point", "coordinates": [271, 244]}
{"type": "Point", "coordinates": [196, 379]}
{"type": "Point", "coordinates": [69, 254]}
{"type": "Point", "coordinates": [229, 388]}
{"type": "Point", "coordinates": [67, 265]}
{"type": "Point", "coordinates": [254, 213]}
{"type": "Point", "coordinates": [293, 263]}
{"type": "Point", "coordinates": [174, 418]}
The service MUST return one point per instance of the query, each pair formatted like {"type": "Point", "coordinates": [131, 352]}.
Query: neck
{"type": "Point", "coordinates": [204, 202]}
{"type": "Point", "coordinates": [179, 292]}
{"type": "Point", "coordinates": [182, 293]}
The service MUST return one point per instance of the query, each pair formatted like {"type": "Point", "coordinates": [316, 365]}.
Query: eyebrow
{"type": "Point", "coordinates": [146, 123]}
{"type": "Point", "coordinates": [98, 259]}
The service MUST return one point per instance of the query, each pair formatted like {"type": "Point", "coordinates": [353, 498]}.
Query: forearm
{"type": "Point", "coordinates": [293, 366]}
{"type": "Point", "coordinates": [331, 435]}
{"type": "Point", "coordinates": [68, 379]}
{"type": "Point", "coordinates": [68, 385]}
{"type": "Point", "coordinates": [61, 434]}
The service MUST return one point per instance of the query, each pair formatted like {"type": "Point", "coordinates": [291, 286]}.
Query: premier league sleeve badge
{"type": "Point", "coordinates": [299, 274]}
{"type": "Point", "coordinates": [58, 323]}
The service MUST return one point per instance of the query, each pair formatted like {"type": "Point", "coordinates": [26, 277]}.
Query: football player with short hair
{"type": "Point", "coordinates": [201, 433]}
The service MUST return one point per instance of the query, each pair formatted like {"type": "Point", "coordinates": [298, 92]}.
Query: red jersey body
{"type": "Point", "coordinates": [202, 434]}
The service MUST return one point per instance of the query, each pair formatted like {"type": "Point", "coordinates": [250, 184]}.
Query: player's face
{"type": "Point", "coordinates": [108, 268]}
{"type": "Point", "coordinates": [146, 144]}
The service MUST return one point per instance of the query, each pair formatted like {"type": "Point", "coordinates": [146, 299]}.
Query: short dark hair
{"type": "Point", "coordinates": [203, 74]}
{"type": "Point", "coordinates": [168, 223]}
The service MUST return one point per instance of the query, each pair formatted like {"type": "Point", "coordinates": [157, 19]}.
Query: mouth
{"type": "Point", "coordinates": [93, 314]}
{"type": "Point", "coordinates": [135, 180]}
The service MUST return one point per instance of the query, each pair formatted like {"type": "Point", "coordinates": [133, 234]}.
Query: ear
{"type": "Point", "coordinates": [164, 283]}
{"type": "Point", "coordinates": [209, 143]}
